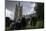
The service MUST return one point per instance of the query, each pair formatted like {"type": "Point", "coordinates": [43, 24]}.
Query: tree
{"type": "Point", "coordinates": [40, 10]}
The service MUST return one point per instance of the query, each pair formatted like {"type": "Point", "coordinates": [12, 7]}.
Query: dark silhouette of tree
{"type": "Point", "coordinates": [40, 10]}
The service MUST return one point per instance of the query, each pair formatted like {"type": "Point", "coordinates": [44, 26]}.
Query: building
{"type": "Point", "coordinates": [18, 11]}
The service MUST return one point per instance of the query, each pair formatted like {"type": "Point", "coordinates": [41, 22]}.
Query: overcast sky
{"type": "Point", "coordinates": [28, 8]}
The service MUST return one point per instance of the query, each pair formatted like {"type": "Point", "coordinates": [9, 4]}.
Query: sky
{"type": "Point", "coordinates": [28, 8]}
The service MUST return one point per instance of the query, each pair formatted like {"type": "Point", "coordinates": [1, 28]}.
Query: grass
{"type": "Point", "coordinates": [39, 24]}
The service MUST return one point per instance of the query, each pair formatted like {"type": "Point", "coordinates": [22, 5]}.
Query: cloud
{"type": "Point", "coordinates": [9, 14]}
{"type": "Point", "coordinates": [28, 8]}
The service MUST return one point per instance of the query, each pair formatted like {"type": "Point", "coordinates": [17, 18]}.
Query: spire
{"type": "Point", "coordinates": [19, 3]}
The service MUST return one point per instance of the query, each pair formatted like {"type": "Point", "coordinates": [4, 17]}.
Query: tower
{"type": "Point", "coordinates": [18, 11]}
